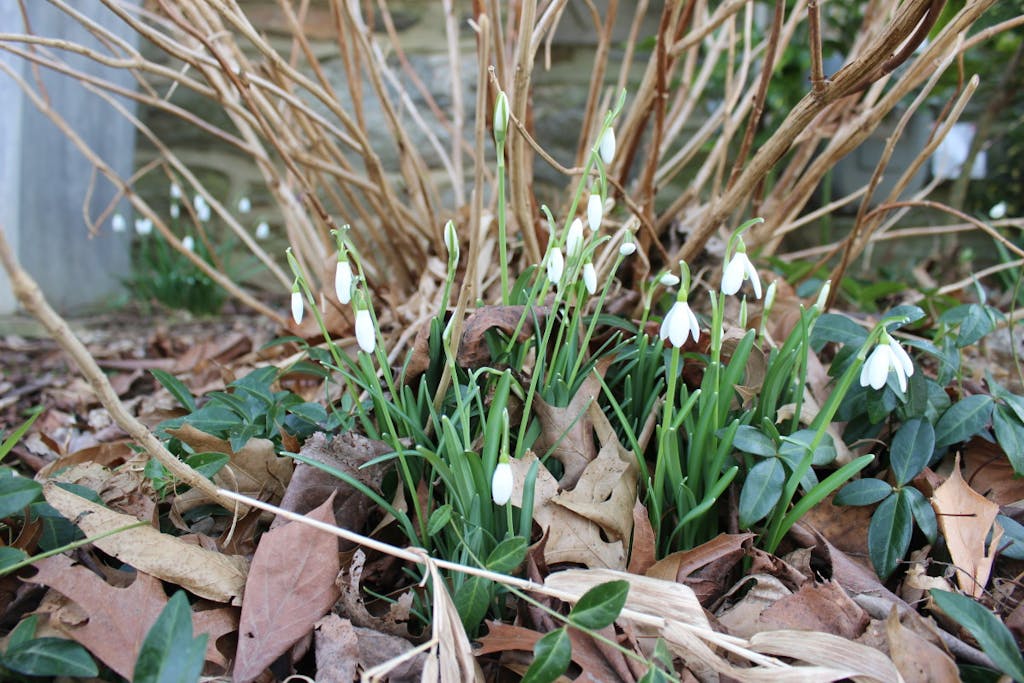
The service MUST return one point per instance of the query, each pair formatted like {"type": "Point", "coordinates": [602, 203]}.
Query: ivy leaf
{"type": "Point", "coordinates": [889, 534]}
{"type": "Point", "coordinates": [471, 600]}
{"type": "Point", "coordinates": [50, 657]}
{"type": "Point", "coordinates": [752, 440]}
{"type": "Point", "coordinates": [912, 448]}
{"type": "Point", "coordinates": [761, 491]}
{"type": "Point", "coordinates": [551, 657]}
{"type": "Point", "coordinates": [16, 493]}
{"type": "Point", "coordinates": [863, 492]}
{"type": "Point", "coordinates": [1010, 434]}
{"type": "Point", "coordinates": [170, 654]}
{"type": "Point", "coordinates": [963, 420]}
{"type": "Point", "coordinates": [924, 513]}
{"type": "Point", "coordinates": [600, 605]}
{"type": "Point", "coordinates": [509, 554]}
{"type": "Point", "coordinates": [993, 636]}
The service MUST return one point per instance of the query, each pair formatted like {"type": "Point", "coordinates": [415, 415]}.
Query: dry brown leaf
{"type": "Point", "coordinates": [918, 660]}
{"type": "Point", "coordinates": [290, 586]}
{"type": "Point", "coordinates": [642, 551]}
{"type": "Point", "coordinates": [966, 517]}
{"type": "Point", "coordinates": [337, 649]}
{"type": "Point", "coordinates": [112, 622]}
{"type": "Point", "coordinates": [254, 471]}
{"type": "Point", "coordinates": [678, 565]}
{"type": "Point", "coordinates": [208, 574]}
{"type": "Point", "coordinates": [742, 618]}
{"type": "Point", "coordinates": [450, 657]}
{"type": "Point", "coordinates": [473, 350]}
{"type": "Point", "coordinates": [989, 472]}
{"type": "Point", "coordinates": [567, 434]}
{"type": "Point", "coordinates": [823, 607]}
{"type": "Point", "coordinates": [595, 665]}
{"type": "Point", "coordinates": [845, 527]}
{"type": "Point", "coordinates": [570, 537]}
{"type": "Point", "coordinates": [827, 650]}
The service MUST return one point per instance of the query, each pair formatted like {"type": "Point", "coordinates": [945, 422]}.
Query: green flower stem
{"type": "Point", "coordinates": [70, 546]}
{"type": "Point", "coordinates": [502, 237]}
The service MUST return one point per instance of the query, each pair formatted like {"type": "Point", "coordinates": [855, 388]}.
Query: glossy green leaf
{"type": "Point", "coordinates": [889, 534]}
{"type": "Point", "coordinates": [600, 606]}
{"type": "Point", "coordinates": [863, 492]}
{"type": "Point", "coordinates": [761, 491]}
{"type": "Point", "coordinates": [975, 325]}
{"type": "Point", "coordinates": [177, 389]}
{"type": "Point", "coordinates": [993, 636]}
{"type": "Point", "coordinates": [794, 448]}
{"type": "Point", "coordinates": [752, 440]}
{"type": "Point", "coordinates": [962, 420]}
{"type": "Point", "coordinates": [208, 464]}
{"type": "Point", "coordinates": [11, 556]}
{"type": "Point", "coordinates": [439, 519]}
{"type": "Point", "coordinates": [170, 654]}
{"type": "Point", "coordinates": [471, 600]}
{"type": "Point", "coordinates": [508, 555]}
{"type": "Point", "coordinates": [50, 657]}
{"type": "Point", "coordinates": [16, 493]}
{"type": "Point", "coordinates": [923, 513]}
{"type": "Point", "coordinates": [1012, 543]}
{"type": "Point", "coordinates": [833, 327]}
{"type": "Point", "coordinates": [911, 449]}
{"type": "Point", "coordinates": [1009, 433]}
{"type": "Point", "coordinates": [24, 631]}
{"type": "Point", "coordinates": [551, 657]}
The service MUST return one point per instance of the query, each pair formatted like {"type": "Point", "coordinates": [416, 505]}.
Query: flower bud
{"type": "Point", "coordinates": [502, 483]}
{"type": "Point", "coordinates": [297, 306]}
{"type": "Point", "coordinates": [590, 277]}
{"type": "Point", "coordinates": [595, 212]}
{"type": "Point", "coordinates": [574, 240]}
{"type": "Point", "coordinates": [607, 146]}
{"type": "Point", "coordinates": [500, 117]}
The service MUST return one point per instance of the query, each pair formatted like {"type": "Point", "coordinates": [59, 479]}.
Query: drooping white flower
{"type": "Point", "coordinates": [244, 205]}
{"type": "Point", "coordinates": [201, 207]}
{"type": "Point", "coordinates": [175, 191]}
{"type": "Point", "coordinates": [451, 241]}
{"type": "Point", "coordinates": [628, 246]}
{"type": "Point", "coordinates": [297, 305]}
{"type": "Point", "coordinates": [262, 230]}
{"type": "Point", "coordinates": [822, 299]}
{"type": "Point", "coordinates": [175, 210]}
{"type": "Point", "coordinates": [188, 242]}
{"type": "Point", "coordinates": [118, 223]}
{"type": "Point", "coordinates": [679, 324]}
{"type": "Point", "coordinates": [998, 211]}
{"type": "Point", "coordinates": [574, 239]}
{"type": "Point", "coordinates": [737, 270]}
{"type": "Point", "coordinates": [555, 265]}
{"type": "Point", "coordinates": [888, 355]}
{"type": "Point", "coordinates": [501, 117]}
{"type": "Point", "coordinates": [595, 212]}
{"type": "Point", "coordinates": [669, 279]}
{"type": "Point", "coordinates": [343, 281]}
{"type": "Point", "coordinates": [143, 226]}
{"type": "Point", "coordinates": [589, 277]}
{"type": "Point", "coordinates": [366, 335]}
{"type": "Point", "coordinates": [502, 483]}
{"type": "Point", "coordinates": [607, 146]}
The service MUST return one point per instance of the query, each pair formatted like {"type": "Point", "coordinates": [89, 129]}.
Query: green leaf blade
{"type": "Point", "coordinates": [993, 636]}
{"type": "Point", "coordinates": [170, 654]}
{"type": "Point", "coordinates": [600, 606]}
{"type": "Point", "coordinates": [551, 656]}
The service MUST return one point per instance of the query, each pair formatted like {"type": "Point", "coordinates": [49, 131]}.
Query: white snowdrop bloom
{"type": "Point", "coordinates": [262, 230]}
{"type": "Point", "coordinates": [607, 146]}
{"type": "Point", "coordinates": [574, 239]}
{"type": "Point", "coordinates": [297, 306]}
{"type": "Point", "coordinates": [555, 266]}
{"type": "Point", "coordinates": [175, 191]}
{"type": "Point", "coordinates": [366, 335]}
{"type": "Point", "coordinates": [739, 269]}
{"type": "Point", "coordinates": [628, 246]}
{"type": "Point", "coordinates": [201, 207]}
{"type": "Point", "coordinates": [343, 281]}
{"type": "Point", "coordinates": [590, 277]}
{"type": "Point", "coordinates": [501, 116]}
{"type": "Point", "coordinates": [244, 205]}
{"type": "Point", "coordinates": [998, 211]}
{"type": "Point", "coordinates": [888, 355]}
{"type": "Point", "coordinates": [118, 223]}
{"type": "Point", "coordinates": [451, 241]}
{"type": "Point", "coordinates": [502, 483]}
{"type": "Point", "coordinates": [679, 324]}
{"type": "Point", "coordinates": [669, 280]}
{"type": "Point", "coordinates": [175, 210]}
{"type": "Point", "coordinates": [595, 212]}
{"type": "Point", "coordinates": [188, 242]}
{"type": "Point", "coordinates": [143, 226]}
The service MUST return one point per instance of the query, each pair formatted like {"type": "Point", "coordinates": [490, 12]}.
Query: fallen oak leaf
{"type": "Point", "coordinates": [473, 350]}
{"type": "Point", "coordinates": [206, 573]}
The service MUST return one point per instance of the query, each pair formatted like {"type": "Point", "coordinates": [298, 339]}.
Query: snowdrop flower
{"type": "Point", "coordinates": [262, 230]}
{"type": "Point", "coordinates": [574, 240]}
{"type": "Point", "coordinates": [628, 246]}
{"type": "Point", "coordinates": [244, 205]}
{"type": "Point", "coordinates": [595, 212]}
{"type": "Point", "coordinates": [590, 277]}
{"type": "Point", "coordinates": [366, 334]}
{"type": "Point", "coordinates": [118, 223]}
{"type": "Point", "coordinates": [668, 279]}
{"type": "Point", "coordinates": [451, 241]}
{"type": "Point", "coordinates": [607, 146]}
{"type": "Point", "coordinates": [888, 355]}
{"type": "Point", "coordinates": [739, 269]}
{"type": "Point", "coordinates": [175, 191]}
{"type": "Point", "coordinates": [175, 210]}
{"type": "Point", "coordinates": [822, 299]}
{"type": "Point", "coordinates": [188, 243]}
{"type": "Point", "coordinates": [555, 266]}
{"type": "Point", "coordinates": [502, 483]}
{"type": "Point", "coordinates": [297, 306]}
{"type": "Point", "coordinates": [143, 226]}
{"type": "Point", "coordinates": [201, 207]}
{"type": "Point", "coordinates": [998, 211]}
{"type": "Point", "coordinates": [679, 324]}
{"type": "Point", "coordinates": [343, 280]}
{"type": "Point", "coordinates": [500, 117]}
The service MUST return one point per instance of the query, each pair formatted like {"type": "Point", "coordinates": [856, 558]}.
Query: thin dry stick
{"type": "Point", "coordinates": [27, 291]}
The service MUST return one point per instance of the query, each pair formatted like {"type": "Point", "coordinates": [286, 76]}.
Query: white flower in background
{"type": "Point", "coordinates": [669, 280]}
{"type": "Point", "coordinates": [175, 191]}
{"type": "Point", "coordinates": [555, 266]}
{"type": "Point", "coordinates": [451, 241]}
{"type": "Point", "coordinates": [679, 324]}
{"type": "Point", "coordinates": [628, 246]}
{"type": "Point", "coordinates": [826, 289]}
{"type": "Point", "coordinates": [888, 355]}
{"type": "Point", "coordinates": [502, 483]}
{"type": "Point", "coordinates": [998, 211]}
{"type": "Point", "coordinates": [244, 205]}
{"type": "Point", "coordinates": [607, 146]}
{"type": "Point", "coordinates": [143, 226]}
{"type": "Point", "coordinates": [262, 230]}
{"type": "Point", "coordinates": [343, 282]}
{"type": "Point", "coordinates": [175, 210]}
{"type": "Point", "coordinates": [574, 239]}
{"type": "Point", "coordinates": [590, 277]}
{"type": "Point", "coordinates": [737, 270]}
{"type": "Point", "coordinates": [501, 117]}
{"type": "Point", "coordinates": [188, 242]}
{"type": "Point", "coordinates": [201, 207]}
{"type": "Point", "coordinates": [118, 223]}
{"type": "Point", "coordinates": [366, 335]}
{"type": "Point", "coordinates": [595, 212]}
{"type": "Point", "coordinates": [297, 306]}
